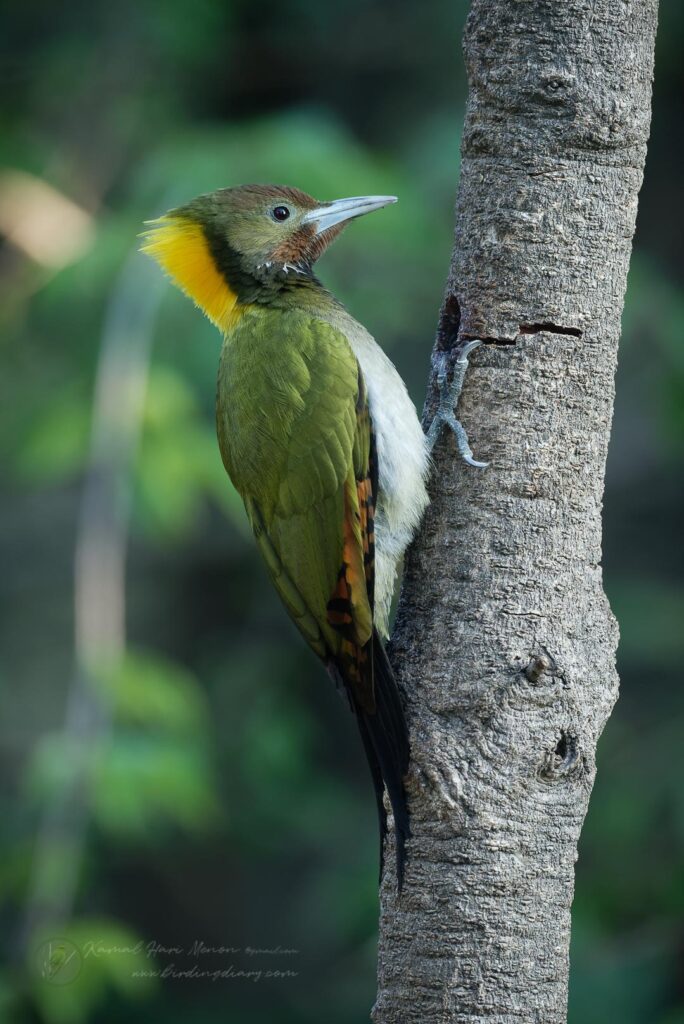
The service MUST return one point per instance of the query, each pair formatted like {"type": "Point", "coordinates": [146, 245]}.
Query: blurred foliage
{"type": "Point", "coordinates": [225, 795]}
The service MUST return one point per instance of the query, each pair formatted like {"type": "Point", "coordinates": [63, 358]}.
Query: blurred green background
{"type": "Point", "coordinates": [208, 785]}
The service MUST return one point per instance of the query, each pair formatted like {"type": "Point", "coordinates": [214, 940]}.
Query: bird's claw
{"type": "Point", "coordinates": [467, 349]}
{"type": "Point", "coordinates": [449, 394]}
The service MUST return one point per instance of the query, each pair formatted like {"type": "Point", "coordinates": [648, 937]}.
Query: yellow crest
{"type": "Point", "coordinates": [180, 247]}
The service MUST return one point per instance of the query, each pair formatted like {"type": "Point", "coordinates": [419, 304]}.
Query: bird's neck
{"type": "Point", "coordinates": [289, 291]}
{"type": "Point", "coordinates": [269, 284]}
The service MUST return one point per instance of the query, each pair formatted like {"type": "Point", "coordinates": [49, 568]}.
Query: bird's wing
{"type": "Point", "coordinates": [350, 608]}
{"type": "Point", "coordinates": [298, 444]}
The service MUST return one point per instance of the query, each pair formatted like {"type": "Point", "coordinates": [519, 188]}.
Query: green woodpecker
{"type": "Point", "coordinates": [318, 435]}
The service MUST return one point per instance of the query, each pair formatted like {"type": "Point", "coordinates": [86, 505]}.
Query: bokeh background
{"type": "Point", "coordinates": [175, 767]}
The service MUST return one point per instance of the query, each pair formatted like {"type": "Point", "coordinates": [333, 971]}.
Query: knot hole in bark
{"type": "Point", "coordinates": [449, 324]}
{"type": "Point", "coordinates": [563, 760]}
{"type": "Point", "coordinates": [556, 86]}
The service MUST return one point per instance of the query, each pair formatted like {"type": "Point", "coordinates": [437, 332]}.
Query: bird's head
{"type": "Point", "coordinates": [237, 244]}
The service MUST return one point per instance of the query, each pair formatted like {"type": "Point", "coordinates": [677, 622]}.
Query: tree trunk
{"type": "Point", "coordinates": [505, 643]}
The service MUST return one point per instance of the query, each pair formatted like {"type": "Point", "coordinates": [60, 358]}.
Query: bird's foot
{"type": "Point", "coordinates": [449, 393]}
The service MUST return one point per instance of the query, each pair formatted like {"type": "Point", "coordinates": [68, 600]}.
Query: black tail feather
{"type": "Point", "coordinates": [385, 739]}
{"type": "Point", "coordinates": [378, 786]}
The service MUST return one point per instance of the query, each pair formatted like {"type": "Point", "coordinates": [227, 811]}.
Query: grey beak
{"type": "Point", "coordinates": [329, 214]}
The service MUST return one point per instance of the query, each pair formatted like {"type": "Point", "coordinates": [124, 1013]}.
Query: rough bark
{"type": "Point", "coordinates": [505, 643]}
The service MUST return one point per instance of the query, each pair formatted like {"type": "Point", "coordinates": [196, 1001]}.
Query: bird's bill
{"type": "Point", "coordinates": [329, 214]}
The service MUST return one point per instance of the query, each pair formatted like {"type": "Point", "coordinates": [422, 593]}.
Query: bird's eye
{"type": "Point", "coordinates": [281, 213]}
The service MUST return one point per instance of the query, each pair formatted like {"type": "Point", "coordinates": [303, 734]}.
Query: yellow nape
{"type": "Point", "coordinates": [181, 249]}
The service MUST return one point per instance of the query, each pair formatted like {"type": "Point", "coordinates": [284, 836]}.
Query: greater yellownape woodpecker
{"type": "Point", "coordinates": [318, 435]}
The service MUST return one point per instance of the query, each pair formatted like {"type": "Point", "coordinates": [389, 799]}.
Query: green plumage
{"type": "Point", "coordinates": [293, 444]}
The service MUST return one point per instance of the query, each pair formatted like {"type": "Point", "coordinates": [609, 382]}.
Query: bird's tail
{"type": "Point", "coordinates": [385, 739]}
